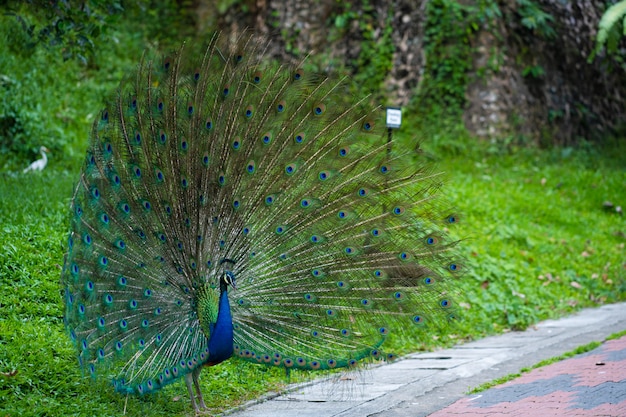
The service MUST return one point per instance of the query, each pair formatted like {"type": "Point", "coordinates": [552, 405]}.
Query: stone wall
{"type": "Point", "coordinates": [564, 100]}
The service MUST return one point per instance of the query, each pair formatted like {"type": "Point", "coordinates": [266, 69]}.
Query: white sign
{"type": "Point", "coordinates": [394, 117]}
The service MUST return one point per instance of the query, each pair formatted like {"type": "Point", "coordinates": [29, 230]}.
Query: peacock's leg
{"type": "Point", "coordinates": [196, 374]}
{"type": "Point", "coordinates": [188, 379]}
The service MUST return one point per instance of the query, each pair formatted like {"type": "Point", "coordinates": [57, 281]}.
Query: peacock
{"type": "Point", "coordinates": [233, 206]}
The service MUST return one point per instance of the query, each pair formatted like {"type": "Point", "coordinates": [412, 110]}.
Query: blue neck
{"type": "Point", "coordinates": [221, 341]}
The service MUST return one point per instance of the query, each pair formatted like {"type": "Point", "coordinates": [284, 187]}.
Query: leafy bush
{"type": "Point", "coordinates": [27, 101]}
{"type": "Point", "coordinates": [450, 29]}
{"type": "Point", "coordinates": [534, 18]}
{"type": "Point", "coordinates": [19, 128]}
{"type": "Point", "coordinates": [50, 101]}
{"type": "Point", "coordinates": [609, 28]}
{"type": "Point", "coordinates": [375, 59]}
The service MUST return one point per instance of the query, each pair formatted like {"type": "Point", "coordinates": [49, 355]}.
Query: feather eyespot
{"type": "Point", "coordinates": [319, 109]}
{"type": "Point", "coordinates": [290, 169]}
{"type": "Point", "coordinates": [167, 63]}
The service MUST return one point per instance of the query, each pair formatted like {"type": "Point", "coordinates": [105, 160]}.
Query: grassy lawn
{"type": "Point", "coordinates": [538, 244]}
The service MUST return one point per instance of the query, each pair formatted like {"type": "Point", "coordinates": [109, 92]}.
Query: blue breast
{"type": "Point", "coordinates": [221, 341]}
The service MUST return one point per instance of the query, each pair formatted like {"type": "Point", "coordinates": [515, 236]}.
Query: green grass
{"type": "Point", "coordinates": [33, 342]}
{"type": "Point", "coordinates": [616, 335]}
{"type": "Point", "coordinates": [540, 243]}
{"type": "Point", "coordinates": [526, 243]}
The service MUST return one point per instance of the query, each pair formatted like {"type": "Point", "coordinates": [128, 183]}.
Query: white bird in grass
{"type": "Point", "coordinates": [39, 164]}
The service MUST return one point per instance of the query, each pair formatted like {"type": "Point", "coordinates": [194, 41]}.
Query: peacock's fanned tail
{"type": "Point", "coordinates": [231, 160]}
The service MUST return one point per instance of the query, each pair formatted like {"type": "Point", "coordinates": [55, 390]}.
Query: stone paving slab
{"type": "Point", "coordinates": [423, 383]}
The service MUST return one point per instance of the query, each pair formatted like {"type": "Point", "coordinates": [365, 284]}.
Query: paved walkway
{"type": "Point", "coordinates": [590, 384]}
{"type": "Point", "coordinates": [435, 384]}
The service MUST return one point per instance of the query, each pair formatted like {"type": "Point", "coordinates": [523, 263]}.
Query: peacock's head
{"type": "Point", "coordinates": [228, 278]}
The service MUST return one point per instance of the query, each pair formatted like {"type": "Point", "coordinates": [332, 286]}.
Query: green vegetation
{"type": "Point", "coordinates": [450, 26]}
{"type": "Point", "coordinates": [537, 240]}
{"type": "Point", "coordinates": [540, 241]}
{"type": "Point", "coordinates": [616, 335]}
{"type": "Point", "coordinates": [612, 28]}
{"type": "Point", "coordinates": [535, 19]}
{"type": "Point", "coordinates": [535, 249]}
{"type": "Point", "coordinates": [52, 85]}
{"type": "Point", "coordinates": [46, 100]}
{"type": "Point", "coordinates": [375, 59]}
